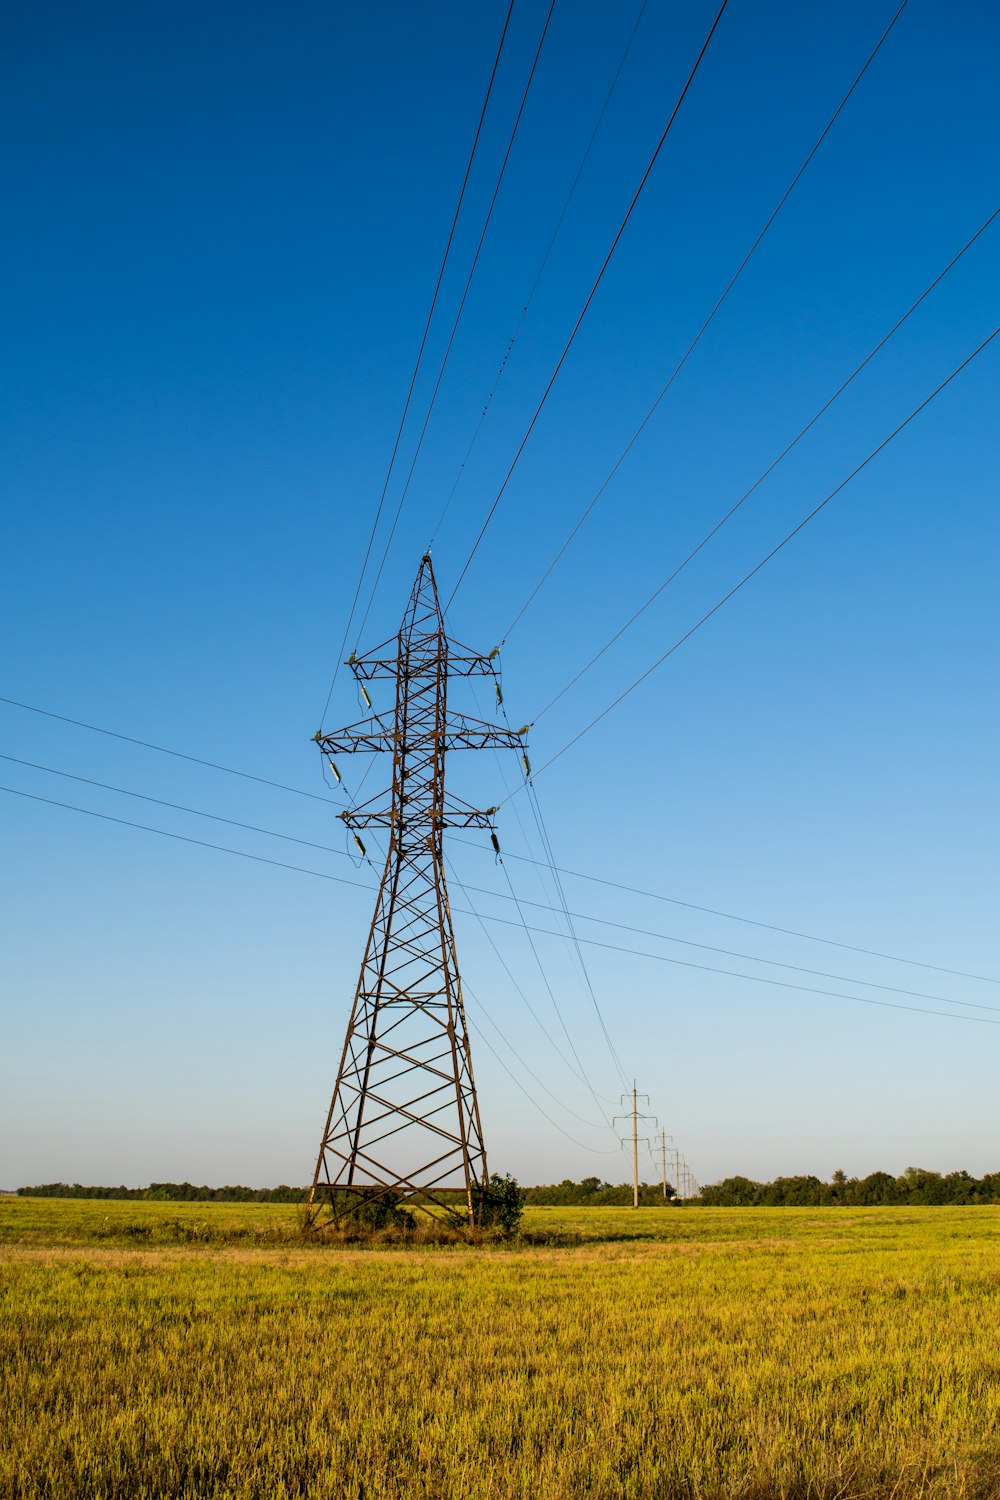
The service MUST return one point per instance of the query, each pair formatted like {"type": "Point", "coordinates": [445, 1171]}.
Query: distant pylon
{"type": "Point", "coordinates": [404, 1118]}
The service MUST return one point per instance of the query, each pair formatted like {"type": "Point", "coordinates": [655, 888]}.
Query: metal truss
{"type": "Point", "coordinates": [404, 1118]}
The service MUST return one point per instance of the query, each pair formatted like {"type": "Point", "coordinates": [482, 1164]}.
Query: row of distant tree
{"type": "Point", "coordinates": [591, 1190]}
{"type": "Point", "coordinates": [168, 1192]}
{"type": "Point", "coordinates": [916, 1186]}
{"type": "Point", "coordinates": [593, 1193]}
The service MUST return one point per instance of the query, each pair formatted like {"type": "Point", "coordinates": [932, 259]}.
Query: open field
{"type": "Point", "coordinates": [161, 1349]}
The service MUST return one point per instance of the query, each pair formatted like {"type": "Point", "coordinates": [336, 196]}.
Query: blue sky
{"type": "Point", "coordinates": [224, 229]}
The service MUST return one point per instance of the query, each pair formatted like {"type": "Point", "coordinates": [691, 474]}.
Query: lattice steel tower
{"type": "Point", "coordinates": [404, 1116]}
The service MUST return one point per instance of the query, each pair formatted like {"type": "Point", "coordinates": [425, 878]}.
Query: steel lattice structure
{"type": "Point", "coordinates": [404, 1118]}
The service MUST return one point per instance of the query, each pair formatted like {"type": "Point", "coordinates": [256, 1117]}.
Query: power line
{"type": "Point", "coordinates": [307, 843]}
{"type": "Point", "coordinates": [300, 869]}
{"type": "Point", "coordinates": [768, 556]}
{"type": "Point", "coordinates": [522, 858]}
{"type": "Point", "coordinates": [782, 984]}
{"type": "Point", "coordinates": [545, 260]}
{"type": "Point", "coordinates": [499, 896]}
{"type": "Point", "coordinates": [458, 317]}
{"type": "Point", "coordinates": [705, 325]}
{"type": "Point", "coordinates": [577, 1070]}
{"type": "Point", "coordinates": [507, 1042]}
{"type": "Point", "coordinates": [184, 838]}
{"type": "Point", "coordinates": [163, 750]}
{"type": "Point", "coordinates": [597, 1151]}
{"type": "Point", "coordinates": [766, 472]}
{"type": "Point", "coordinates": [586, 305]}
{"type": "Point", "coordinates": [546, 847]}
{"type": "Point", "coordinates": [518, 901]}
{"type": "Point", "coordinates": [528, 932]}
{"type": "Point", "coordinates": [713, 911]}
{"type": "Point", "coordinates": [196, 812]}
{"type": "Point", "coordinates": [667, 937]}
{"type": "Point", "coordinates": [279, 864]}
{"type": "Point", "coordinates": [544, 931]}
{"type": "Point", "coordinates": [420, 353]}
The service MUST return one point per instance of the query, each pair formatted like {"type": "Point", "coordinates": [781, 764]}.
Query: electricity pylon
{"type": "Point", "coordinates": [635, 1115]}
{"type": "Point", "coordinates": [664, 1137]}
{"type": "Point", "coordinates": [404, 1118]}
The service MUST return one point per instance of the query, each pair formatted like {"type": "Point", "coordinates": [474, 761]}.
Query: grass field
{"type": "Point", "coordinates": [161, 1349]}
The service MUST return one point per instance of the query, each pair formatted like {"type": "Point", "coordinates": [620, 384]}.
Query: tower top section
{"type": "Point", "coordinates": [422, 619]}
{"type": "Point", "coordinates": [421, 660]}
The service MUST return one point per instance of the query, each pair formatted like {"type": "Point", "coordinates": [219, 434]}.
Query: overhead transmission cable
{"type": "Point", "coordinates": [713, 911]}
{"type": "Point", "coordinates": [789, 536]}
{"type": "Point", "coordinates": [590, 297]}
{"type": "Point", "coordinates": [196, 812]}
{"type": "Point", "coordinates": [541, 270]}
{"type": "Point", "coordinates": [574, 1067]}
{"type": "Point", "coordinates": [579, 1069]}
{"type": "Point", "coordinates": [705, 325]}
{"type": "Point", "coordinates": [458, 318]}
{"type": "Point", "coordinates": [163, 750]}
{"type": "Point", "coordinates": [574, 939]}
{"type": "Point", "coordinates": [420, 353]}
{"type": "Point", "coordinates": [728, 916]}
{"type": "Point", "coordinates": [595, 1150]}
{"type": "Point", "coordinates": [770, 468]}
{"type": "Point", "coordinates": [465, 888]}
{"type": "Point", "coordinates": [183, 838]}
{"type": "Point", "coordinates": [260, 859]}
{"type": "Point", "coordinates": [775, 963]}
{"type": "Point", "coordinates": [765, 979]}
{"type": "Point", "coordinates": [307, 843]}
{"type": "Point", "coordinates": [541, 968]}
{"type": "Point", "coordinates": [328, 849]}
{"type": "Point", "coordinates": [546, 848]}
{"type": "Point", "coordinates": [242, 854]}
{"type": "Point", "coordinates": [544, 931]}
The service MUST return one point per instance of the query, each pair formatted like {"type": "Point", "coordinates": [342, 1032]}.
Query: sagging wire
{"type": "Point", "coordinates": [543, 830]}
{"type": "Point", "coordinates": [577, 1073]}
{"type": "Point", "coordinates": [498, 859]}
{"type": "Point", "coordinates": [599, 1100]}
{"type": "Point", "coordinates": [561, 896]}
{"type": "Point", "coordinates": [596, 1150]}
{"type": "Point", "coordinates": [540, 273]}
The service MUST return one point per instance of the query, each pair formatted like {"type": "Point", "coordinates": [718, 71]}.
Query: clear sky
{"type": "Point", "coordinates": [223, 229]}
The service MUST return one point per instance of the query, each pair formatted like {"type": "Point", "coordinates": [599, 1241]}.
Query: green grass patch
{"type": "Point", "coordinates": [202, 1350]}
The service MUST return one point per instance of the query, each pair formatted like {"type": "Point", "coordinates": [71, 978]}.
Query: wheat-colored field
{"type": "Point", "coordinates": [201, 1350]}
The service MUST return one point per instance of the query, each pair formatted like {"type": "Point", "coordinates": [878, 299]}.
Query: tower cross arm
{"type": "Point", "coordinates": [375, 733]}
{"type": "Point", "coordinates": [460, 733]}
{"type": "Point", "coordinates": [463, 733]}
{"type": "Point", "coordinates": [450, 818]}
{"type": "Point", "coordinates": [460, 664]}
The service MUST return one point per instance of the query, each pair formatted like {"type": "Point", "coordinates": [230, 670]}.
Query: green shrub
{"type": "Point", "coordinates": [498, 1204]}
{"type": "Point", "coordinates": [372, 1209]}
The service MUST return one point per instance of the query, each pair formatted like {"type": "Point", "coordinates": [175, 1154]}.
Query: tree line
{"type": "Point", "coordinates": [169, 1192]}
{"type": "Point", "coordinates": [590, 1191]}
{"type": "Point", "coordinates": [917, 1187]}
{"type": "Point", "coordinates": [593, 1193]}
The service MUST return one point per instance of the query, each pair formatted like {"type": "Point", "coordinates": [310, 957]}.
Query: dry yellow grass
{"type": "Point", "coordinates": [732, 1353]}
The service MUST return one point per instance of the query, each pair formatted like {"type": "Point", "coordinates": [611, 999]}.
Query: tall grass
{"type": "Point", "coordinates": [741, 1354]}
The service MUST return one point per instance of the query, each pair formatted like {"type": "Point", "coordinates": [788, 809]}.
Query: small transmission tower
{"type": "Point", "coordinates": [404, 1119]}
